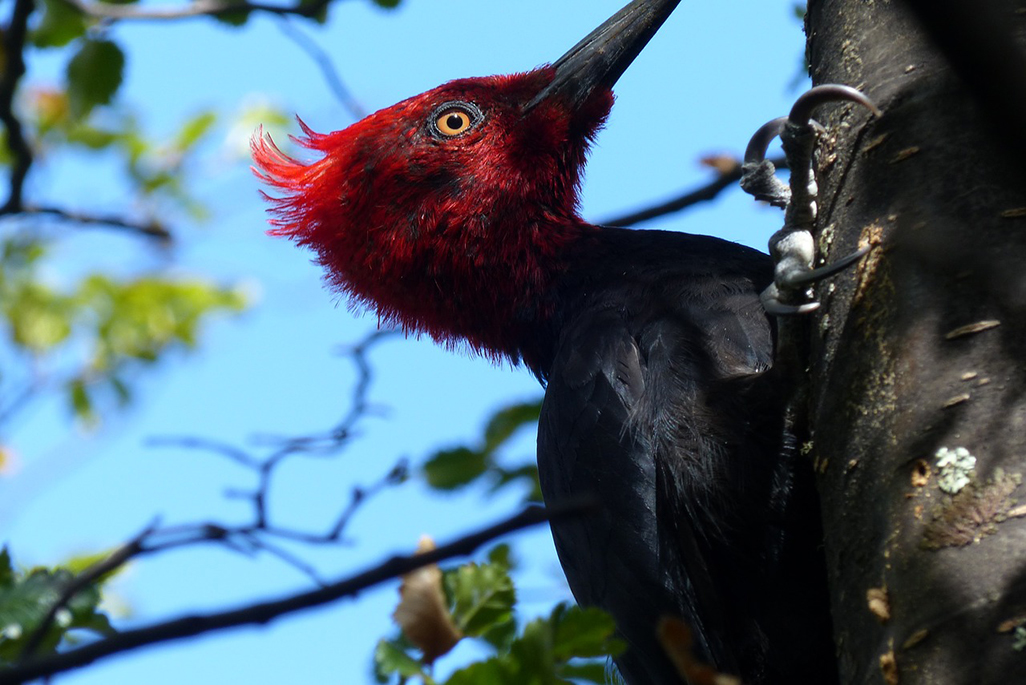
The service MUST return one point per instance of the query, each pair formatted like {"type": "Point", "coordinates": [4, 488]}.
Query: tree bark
{"type": "Point", "coordinates": [918, 360]}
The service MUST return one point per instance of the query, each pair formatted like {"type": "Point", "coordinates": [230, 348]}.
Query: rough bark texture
{"type": "Point", "coordinates": [922, 347]}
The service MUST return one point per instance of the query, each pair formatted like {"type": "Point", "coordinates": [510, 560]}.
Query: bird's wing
{"type": "Point", "coordinates": [600, 433]}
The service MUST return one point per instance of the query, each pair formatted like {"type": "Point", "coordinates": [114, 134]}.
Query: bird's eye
{"type": "Point", "coordinates": [453, 122]}
{"type": "Point", "coordinates": [454, 119]}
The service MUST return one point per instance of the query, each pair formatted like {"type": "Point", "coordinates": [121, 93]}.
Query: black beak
{"type": "Point", "coordinates": [599, 60]}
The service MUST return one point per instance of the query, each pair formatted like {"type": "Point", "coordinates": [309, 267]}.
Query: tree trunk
{"type": "Point", "coordinates": [918, 361]}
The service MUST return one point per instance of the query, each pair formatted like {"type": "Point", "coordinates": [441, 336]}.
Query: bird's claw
{"type": "Point", "coordinates": [792, 247]}
{"type": "Point", "coordinates": [801, 111]}
{"type": "Point", "coordinates": [791, 277]}
{"type": "Point", "coordinates": [798, 279]}
{"type": "Point", "coordinates": [770, 298]}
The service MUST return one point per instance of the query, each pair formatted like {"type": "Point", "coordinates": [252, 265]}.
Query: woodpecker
{"type": "Point", "coordinates": [454, 214]}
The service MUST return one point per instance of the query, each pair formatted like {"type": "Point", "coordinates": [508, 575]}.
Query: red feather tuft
{"type": "Point", "coordinates": [298, 181]}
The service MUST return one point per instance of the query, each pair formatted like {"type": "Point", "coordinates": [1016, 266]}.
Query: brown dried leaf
{"type": "Point", "coordinates": [676, 639]}
{"type": "Point", "coordinates": [422, 613]}
{"type": "Point", "coordinates": [722, 163]}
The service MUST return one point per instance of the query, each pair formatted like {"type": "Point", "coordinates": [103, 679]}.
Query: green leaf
{"type": "Point", "coordinates": [94, 75]}
{"type": "Point", "coordinates": [91, 137]}
{"type": "Point", "coordinates": [6, 158]}
{"type": "Point", "coordinates": [40, 319]}
{"type": "Point", "coordinates": [586, 671]}
{"type": "Point", "coordinates": [122, 392]}
{"type": "Point", "coordinates": [533, 654]}
{"type": "Point", "coordinates": [387, 4]}
{"type": "Point", "coordinates": [80, 562]}
{"type": "Point", "coordinates": [505, 422]}
{"type": "Point", "coordinates": [454, 468]}
{"type": "Point", "coordinates": [194, 129]}
{"type": "Point", "coordinates": [482, 597]}
{"type": "Point", "coordinates": [528, 473]}
{"type": "Point", "coordinates": [457, 467]}
{"type": "Point", "coordinates": [234, 18]}
{"type": "Point", "coordinates": [61, 24]}
{"type": "Point", "coordinates": [6, 570]}
{"type": "Point", "coordinates": [390, 658]}
{"type": "Point", "coordinates": [501, 635]}
{"type": "Point", "coordinates": [321, 15]}
{"type": "Point", "coordinates": [579, 632]}
{"type": "Point", "coordinates": [501, 555]}
{"type": "Point", "coordinates": [494, 671]}
{"type": "Point", "coordinates": [97, 623]}
{"type": "Point", "coordinates": [81, 402]}
{"type": "Point", "coordinates": [26, 601]}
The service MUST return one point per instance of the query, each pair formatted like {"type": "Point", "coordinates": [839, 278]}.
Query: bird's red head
{"type": "Point", "coordinates": [455, 212]}
{"type": "Point", "coordinates": [449, 213]}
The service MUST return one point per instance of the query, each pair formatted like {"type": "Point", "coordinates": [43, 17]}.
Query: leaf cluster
{"type": "Point", "coordinates": [90, 335]}
{"type": "Point", "coordinates": [26, 598]}
{"type": "Point", "coordinates": [458, 467]}
{"type": "Point", "coordinates": [571, 644]}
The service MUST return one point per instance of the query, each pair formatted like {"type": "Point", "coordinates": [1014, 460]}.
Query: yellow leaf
{"type": "Point", "coordinates": [8, 461]}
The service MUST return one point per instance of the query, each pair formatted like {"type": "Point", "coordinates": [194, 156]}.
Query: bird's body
{"type": "Point", "coordinates": [661, 403]}
{"type": "Point", "coordinates": [454, 213]}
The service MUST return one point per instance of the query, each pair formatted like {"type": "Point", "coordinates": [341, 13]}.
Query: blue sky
{"type": "Point", "coordinates": [713, 74]}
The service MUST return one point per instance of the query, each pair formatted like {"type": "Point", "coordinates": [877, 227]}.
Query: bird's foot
{"type": "Point", "coordinates": [792, 247]}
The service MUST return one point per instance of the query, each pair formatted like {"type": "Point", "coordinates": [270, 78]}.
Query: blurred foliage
{"type": "Point", "coordinates": [155, 170]}
{"type": "Point", "coordinates": [101, 327]}
{"type": "Point", "coordinates": [26, 598]}
{"type": "Point", "coordinates": [569, 645]}
{"type": "Point", "coordinates": [85, 339]}
{"type": "Point", "coordinates": [94, 75]}
{"type": "Point", "coordinates": [458, 467]}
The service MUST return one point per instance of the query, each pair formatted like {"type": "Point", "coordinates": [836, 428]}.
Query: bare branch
{"type": "Point", "coordinates": [197, 8]}
{"type": "Point", "coordinates": [324, 63]}
{"type": "Point", "coordinates": [226, 450]}
{"type": "Point", "coordinates": [254, 535]}
{"type": "Point", "coordinates": [14, 68]}
{"type": "Point", "coordinates": [265, 612]}
{"type": "Point", "coordinates": [149, 229]}
{"type": "Point", "coordinates": [701, 194]}
{"type": "Point", "coordinates": [258, 535]}
{"type": "Point", "coordinates": [284, 555]}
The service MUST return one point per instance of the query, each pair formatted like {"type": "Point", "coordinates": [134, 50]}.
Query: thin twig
{"type": "Point", "coordinates": [324, 63]}
{"type": "Point", "coordinates": [329, 443]}
{"type": "Point", "coordinates": [149, 229]}
{"type": "Point", "coordinates": [197, 8]}
{"type": "Point", "coordinates": [265, 612]}
{"type": "Point", "coordinates": [14, 68]}
{"type": "Point", "coordinates": [323, 445]}
{"type": "Point", "coordinates": [704, 193]}
{"type": "Point", "coordinates": [284, 555]}
{"type": "Point", "coordinates": [224, 449]}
